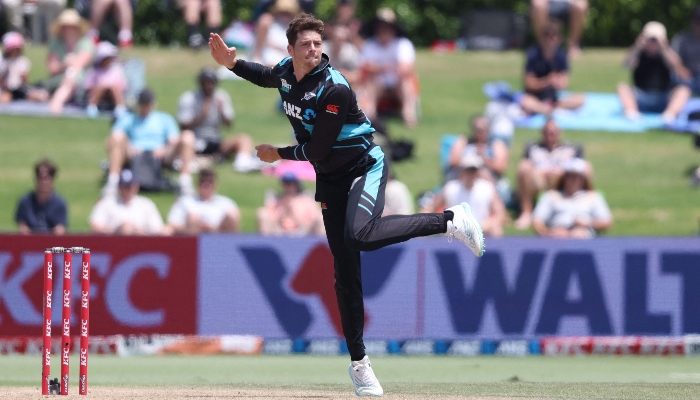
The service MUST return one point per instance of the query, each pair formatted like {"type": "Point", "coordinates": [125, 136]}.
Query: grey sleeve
{"type": "Point", "coordinates": [226, 106]}
{"type": "Point", "coordinates": [186, 108]}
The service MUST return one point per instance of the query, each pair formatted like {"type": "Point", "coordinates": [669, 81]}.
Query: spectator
{"type": "Point", "coordinates": [687, 45]}
{"type": "Point", "coordinates": [43, 210]}
{"type": "Point", "coordinates": [70, 53]}
{"type": "Point", "coordinates": [397, 198]}
{"type": "Point", "coordinates": [149, 131]}
{"type": "Point", "coordinates": [388, 69]}
{"type": "Point", "coordinates": [106, 81]}
{"type": "Point", "coordinates": [13, 8]}
{"type": "Point", "coordinates": [264, 19]}
{"type": "Point", "coordinates": [14, 71]}
{"type": "Point", "coordinates": [572, 209]}
{"type": "Point", "coordinates": [494, 153]}
{"type": "Point", "coordinates": [541, 167]}
{"type": "Point", "coordinates": [128, 213]}
{"type": "Point", "coordinates": [653, 62]}
{"type": "Point", "coordinates": [343, 41]}
{"type": "Point", "coordinates": [547, 73]}
{"type": "Point", "coordinates": [202, 114]}
{"type": "Point", "coordinates": [480, 193]}
{"type": "Point", "coordinates": [192, 11]}
{"type": "Point", "coordinates": [271, 32]}
{"type": "Point", "coordinates": [124, 10]}
{"type": "Point", "coordinates": [292, 213]}
{"type": "Point", "coordinates": [573, 10]}
{"type": "Point", "coordinates": [207, 212]}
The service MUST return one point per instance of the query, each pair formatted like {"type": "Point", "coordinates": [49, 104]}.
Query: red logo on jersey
{"type": "Point", "coordinates": [332, 108]}
{"type": "Point", "coordinates": [324, 206]}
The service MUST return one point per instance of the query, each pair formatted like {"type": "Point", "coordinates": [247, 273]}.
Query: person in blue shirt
{"type": "Point", "coordinates": [547, 73]}
{"type": "Point", "coordinates": [148, 130]}
{"type": "Point", "coordinates": [42, 210]}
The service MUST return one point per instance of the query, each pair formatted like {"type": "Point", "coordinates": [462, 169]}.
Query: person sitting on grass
{"type": "Point", "coordinates": [14, 72]}
{"type": "Point", "coordinates": [128, 213]}
{"type": "Point", "coordinates": [292, 213]}
{"type": "Point", "coordinates": [106, 81]}
{"type": "Point", "coordinates": [204, 112]}
{"type": "Point", "coordinates": [572, 209]}
{"type": "Point", "coordinates": [687, 45]}
{"type": "Point", "coordinates": [43, 210]}
{"type": "Point", "coordinates": [206, 212]}
{"type": "Point", "coordinates": [153, 131]}
{"type": "Point", "coordinates": [653, 63]}
{"type": "Point", "coordinates": [546, 74]}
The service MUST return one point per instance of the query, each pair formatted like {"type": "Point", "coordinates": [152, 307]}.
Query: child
{"type": "Point", "coordinates": [106, 80]}
{"type": "Point", "coordinates": [14, 70]}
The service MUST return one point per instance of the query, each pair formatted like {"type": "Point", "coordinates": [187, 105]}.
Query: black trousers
{"type": "Point", "coordinates": [353, 224]}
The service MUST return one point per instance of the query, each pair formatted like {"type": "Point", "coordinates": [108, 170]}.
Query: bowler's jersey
{"type": "Point", "coordinates": [330, 128]}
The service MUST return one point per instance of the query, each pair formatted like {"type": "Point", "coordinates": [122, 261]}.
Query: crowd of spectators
{"type": "Point", "coordinates": [553, 193]}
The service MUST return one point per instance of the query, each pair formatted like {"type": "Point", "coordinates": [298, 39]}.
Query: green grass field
{"type": "Point", "coordinates": [643, 176]}
{"type": "Point", "coordinates": [594, 377]}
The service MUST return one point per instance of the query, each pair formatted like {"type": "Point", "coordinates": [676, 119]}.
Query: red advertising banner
{"type": "Point", "coordinates": [138, 284]}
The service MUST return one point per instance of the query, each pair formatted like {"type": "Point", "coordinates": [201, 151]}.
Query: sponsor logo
{"type": "Point", "coordinates": [47, 356]}
{"type": "Point", "coordinates": [285, 86]}
{"type": "Point", "coordinates": [66, 327]}
{"type": "Point", "coordinates": [66, 270]}
{"type": "Point", "coordinates": [65, 383]}
{"type": "Point", "coordinates": [332, 108]}
{"type": "Point", "coordinates": [83, 380]}
{"type": "Point", "coordinates": [324, 206]}
{"type": "Point", "coordinates": [83, 358]}
{"type": "Point", "coordinates": [84, 300]}
{"type": "Point", "coordinates": [48, 327]}
{"type": "Point", "coordinates": [292, 110]}
{"type": "Point", "coordinates": [308, 96]}
{"type": "Point", "coordinates": [83, 327]}
{"type": "Point", "coordinates": [66, 298]}
{"type": "Point", "coordinates": [49, 293]}
{"type": "Point", "coordinates": [86, 271]}
{"type": "Point", "coordinates": [66, 356]}
{"type": "Point", "coordinates": [49, 271]}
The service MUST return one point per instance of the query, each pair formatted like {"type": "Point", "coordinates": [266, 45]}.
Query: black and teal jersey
{"type": "Point", "coordinates": [330, 128]}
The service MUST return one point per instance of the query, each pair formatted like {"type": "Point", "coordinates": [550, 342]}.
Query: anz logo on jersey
{"type": "Point", "coordinates": [285, 86]}
{"type": "Point", "coordinates": [292, 110]}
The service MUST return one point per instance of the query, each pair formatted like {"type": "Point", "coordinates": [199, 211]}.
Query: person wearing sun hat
{"type": "Point", "coordinates": [70, 53]}
{"type": "Point", "coordinates": [14, 71]}
{"type": "Point", "coordinates": [572, 209]}
{"type": "Point", "coordinates": [106, 80]}
{"type": "Point", "coordinates": [653, 63]}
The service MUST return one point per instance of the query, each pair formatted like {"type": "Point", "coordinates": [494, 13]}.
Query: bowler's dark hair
{"type": "Point", "coordinates": [303, 22]}
{"type": "Point", "coordinates": [45, 166]}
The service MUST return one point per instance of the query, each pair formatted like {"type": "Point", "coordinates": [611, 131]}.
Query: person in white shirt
{"type": "Point", "coordinates": [207, 212]}
{"type": "Point", "coordinates": [481, 194]}
{"type": "Point", "coordinates": [388, 69]}
{"type": "Point", "coordinates": [572, 209]}
{"type": "Point", "coordinates": [397, 198]}
{"type": "Point", "coordinates": [127, 213]}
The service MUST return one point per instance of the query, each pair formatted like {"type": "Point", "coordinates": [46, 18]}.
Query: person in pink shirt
{"type": "Point", "coordinates": [14, 71]}
{"type": "Point", "coordinates": [106, 80]}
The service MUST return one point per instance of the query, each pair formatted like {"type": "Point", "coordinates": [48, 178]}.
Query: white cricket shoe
{"type": "Point", "coordinates": [466, 228]}
{"type": "Point", "coordinates": [366, 384]}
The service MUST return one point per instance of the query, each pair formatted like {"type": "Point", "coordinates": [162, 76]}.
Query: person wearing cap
{"type": "Point", "coordinates": [14, 72]}
{"type": "Point", "coordinates": [572, 209]}
{"type": "Point", "coordinates": [106, 81]}
{"type": "Point", "coordinates": [192, 11]}
{"type": "Point", "coordinates": [546, 74]}
{"type": "Point", "coordinates": [270, 45]}
{"type": "Point", "coordinates": [206, 212]}
{"type": "Point", "coordinates": [687, 45]}
{"type": "Point", "coordinates": [128, 213]}
{"type": "Point", "coordinates": [388, 68]}
{"type": "Point", "coordinates": [291, 213]}
{"type": "Point", "coordinates": [335, 136]}
{"type": "Point", "coordinates": [204, 112]}
{"type": "Point", "coordinates": [653, 63]}
{"type": "Point", "coordinates": [480, 193]}
{"type": "Point", "coordinates": [42, 210]}
{"type": "Point", "coordinates": [540, 168]}
{"type": "Point", "coordinates": [70, 53]}
{"type": "Point", "coordinates": [572, 10]}
{"type": "Point", "coordinates": [149, 130]}
{"type": "Point", "coordinates": [50, 9]}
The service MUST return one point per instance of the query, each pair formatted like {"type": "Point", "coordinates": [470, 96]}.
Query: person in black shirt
{"type": "Point", "coordinates": [334, 135]}
{"type": "Point", "coordinates": [42, 210]}
{"type": "Point", "coordinates": [653, 62]}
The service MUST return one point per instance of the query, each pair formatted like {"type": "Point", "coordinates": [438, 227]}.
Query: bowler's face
{"type": "Point", "coordinates": [307, 50]}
